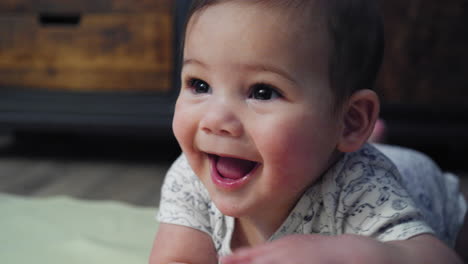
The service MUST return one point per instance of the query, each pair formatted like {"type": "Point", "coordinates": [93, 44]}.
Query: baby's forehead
{"type": "Point", "coordinates": [305, 18]}
{"type": "Point", "coordinates": [303, 25]}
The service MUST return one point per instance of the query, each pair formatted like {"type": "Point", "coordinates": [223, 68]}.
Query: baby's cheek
{"type": "Point", "coordinates": [177, 129]}
{"type": "Point", "coordinates": [286, 146]}
{"type": "Point", "coordinates": [293, 155]}
{"type": "Point", "coordinates": [279, 151]}
{"type": "Point", "coordinates": [183, 126]}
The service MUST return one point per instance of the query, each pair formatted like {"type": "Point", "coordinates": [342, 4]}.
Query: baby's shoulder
{"type": "Point", "coordinates": [365, 166]}
{"type": "Point", "coordinates": [181, 179]}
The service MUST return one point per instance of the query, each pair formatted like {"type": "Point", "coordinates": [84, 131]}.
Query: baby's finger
{"type": "Point", "coordinates": [236, 259]}
{"type": "Point", "coordinates": [272, 258]}
{"type": "Point", "coordinates": [248, 255]}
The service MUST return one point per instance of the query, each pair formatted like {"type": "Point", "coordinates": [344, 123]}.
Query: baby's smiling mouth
{"type": "Point", "coordinates": [232, 168]}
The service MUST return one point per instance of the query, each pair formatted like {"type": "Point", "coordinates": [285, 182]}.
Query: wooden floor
{"type": "Point", "coordinates": [128, 171]}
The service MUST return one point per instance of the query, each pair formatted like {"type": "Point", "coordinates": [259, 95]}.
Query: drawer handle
{"type": "Point", "coordinates": [59, 19]}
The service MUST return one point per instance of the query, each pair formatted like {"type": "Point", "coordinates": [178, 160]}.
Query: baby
{"type": "Point", "coordinates": [273, 117]}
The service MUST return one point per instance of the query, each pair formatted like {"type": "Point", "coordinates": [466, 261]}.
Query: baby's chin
{"type": "Point", "coordinates": [234, 205]}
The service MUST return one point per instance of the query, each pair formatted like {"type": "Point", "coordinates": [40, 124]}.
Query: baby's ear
{"type": "Point", "coordinates": [359, 116]}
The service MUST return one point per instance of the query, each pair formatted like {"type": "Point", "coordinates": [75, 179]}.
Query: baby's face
{"type": "Point", "coordinates": [254, 114]}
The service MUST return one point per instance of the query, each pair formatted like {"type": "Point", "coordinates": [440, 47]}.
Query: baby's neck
{"type": "Point", "coordinates": [247, 235]}
{"type": "Point", "coordinates": [251, 231]}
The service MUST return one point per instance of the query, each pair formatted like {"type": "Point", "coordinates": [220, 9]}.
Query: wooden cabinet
{"type": "Point", "coordinates": [89, 64]}
{"type": "Point", "coordinates": [116, 45]}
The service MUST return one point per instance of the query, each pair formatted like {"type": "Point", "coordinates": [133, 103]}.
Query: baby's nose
{"type": "Point", "coordinates": [221, 120]}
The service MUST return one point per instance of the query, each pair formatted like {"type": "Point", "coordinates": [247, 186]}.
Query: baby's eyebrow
{"type": "Point", "coordinates": [249, 67]}
{"type": "Point", "coordinates": [194, 61]}
{"type": "Point", "coordinates": [269, 68]}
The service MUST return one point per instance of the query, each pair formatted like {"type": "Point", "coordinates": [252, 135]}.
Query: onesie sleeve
{"type": "Point", "coordinates": [184, 199]}
{"type": "Point", "coordinates": [436, 193]}
{"type": "Point", "coordinates": [371, 201]}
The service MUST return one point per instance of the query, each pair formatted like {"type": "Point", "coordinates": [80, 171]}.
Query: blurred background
{"type": "Point", "coordinates": [87, 90]}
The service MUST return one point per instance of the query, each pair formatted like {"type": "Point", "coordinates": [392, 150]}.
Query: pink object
{"type": "Point", "coordinates": [379, 133]}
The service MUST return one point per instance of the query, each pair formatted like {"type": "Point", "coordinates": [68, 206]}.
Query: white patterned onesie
{"type": "Point", "coordinates": [361, 194]}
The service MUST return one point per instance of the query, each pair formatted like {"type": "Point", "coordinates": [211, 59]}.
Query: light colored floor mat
{"type": "Point", "coordinates": [67, 230]}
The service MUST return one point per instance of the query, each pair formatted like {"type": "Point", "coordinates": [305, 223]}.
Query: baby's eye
{"type": "Point", "coordinates": [263, 91]}
{"type": "Point", "coordinates": [199, 86]}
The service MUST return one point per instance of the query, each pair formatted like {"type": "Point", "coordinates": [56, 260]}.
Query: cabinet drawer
{"type": "Point", "coordinates": [85, 6]}
{"type": "Point", "coordinates": [87, 45]}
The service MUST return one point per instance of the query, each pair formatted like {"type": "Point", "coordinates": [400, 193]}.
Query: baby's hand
{"type": "Point", "coordinates": [311, 249]}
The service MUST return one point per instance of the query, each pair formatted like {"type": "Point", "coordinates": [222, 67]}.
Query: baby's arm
{"type": "Point", "coordinates": [183, 233]}
{"type": "Point", "coordinates": [349, 249]}
{"type": "Point", "coordinates": [424, 249]}
{"type": "Point", "coordinates": [180, 244]}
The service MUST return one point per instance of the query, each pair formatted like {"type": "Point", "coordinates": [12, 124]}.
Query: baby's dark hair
{"type": "Point", "coordinates": [355, 30]}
